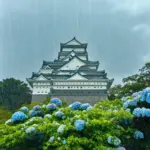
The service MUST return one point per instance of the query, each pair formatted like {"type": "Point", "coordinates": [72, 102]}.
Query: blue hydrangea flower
{"type": "Point", "coordinates": [144, 93]}
{"type": "Point", "coordinates": [51, 107]}
{"type": "Point", "coordinates": [147, 89]}
{"type": "Point", "coordinates": [138, 135]}
{"type": "Point", "coordinates": [85, 106]}
{"type": "Point", "coordinates": [132, 102]}
{"type": "Point", "coordinates": [75, 105]}
{"type": "Point", "coordinates": [64, 142]}
{"type": "Point", "coordinates": [126, 105]}
{"type": "Point", "coordinates": [135, 94]}
{"type": "Point", "coordinates": [56, 101]}
{"type": "Point", "coordinates": [124, 99]}
{"type": "Point", "coordinates": [37, 107]}
{"type": "Point", "coordinates": [30, 130]}
{"type": "Point", "coordinates": [19, 116]}
{"type": "Point", "coordinates": [141, 112]}
{"type": "Point", "coordinates": [147, 112]}
{"type": "Point", "coordinates": [148, 98]}
{"type": "Point", "coordinates": [79, 125]}
{"type": "Point", "coordinates": [137, 112]}
{"type": "Point", "coordinates": [143, 96]}
{"type": "Point", "coordinates": [34, 113]}
{"type": "Point", "coordinates": [24, 109]}
{"type": "Point", "coordinates": [59, 114]}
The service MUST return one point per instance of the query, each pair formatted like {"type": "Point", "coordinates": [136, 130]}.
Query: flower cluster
{"type": "Point", "coordinates": [24, 109]}
{"type": "Point", "coordinates": [138, 135]}
{"type": "Point", "coordinates": [37, 107]}
{"type": "Point", "coordinates": [114, 140]}
{"type": "Point", "coordinates": [148, 98]}
{"type": "Point", "coordinates": [64, 142]}
{"type": "Point", "coordinates": [59, 114]}
{"type": "Point", "coordinates": [51, 140]}
{"type": "Point", "coordinates": [145, 95]}
{"type": "Point", "coordinates": [47, 116]}
{"type": "Point", "coordinates": [56, 101]}
{"type": "Point", "coordinates": [141, 112]}
{"type": "Point", "coordinates": [75, 105]}
{"type": "Point", "coordinates": [124, 99]}
{"type": "Point", "coordinates": [19, 116]}
{"type": "Point", "coordinates": [79, 125]}
{"type": "Point", "coordinates": [85, 106]}
{"type": "Point", "coordinates": [9, 122]}
{"type": "Point", "coordinates": [51, 107]}
{"type": "Point", "coordinates": [135, 94]}
{"type": "Point", "coordinates": [43, 106]}
{"type": "Point", "coordinates": [34, 113]}
{"type": "Point", "coordinates": [61, 129]}
{"type": "Point", "coordinates": [130, 103]}
{"type": "Point", "coordinates": [30, 130]}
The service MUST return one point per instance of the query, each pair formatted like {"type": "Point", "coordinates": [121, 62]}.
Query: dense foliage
{"type": "Point", "coordinates": [107, 125]}
{"type": "Point", "coordinates": [133, 83]}
{"type": "Point", "coordinates": [14, 93]}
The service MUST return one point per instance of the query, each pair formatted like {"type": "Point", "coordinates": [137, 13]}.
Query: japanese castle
{"type": "Point", "coordinates": [71, 77]}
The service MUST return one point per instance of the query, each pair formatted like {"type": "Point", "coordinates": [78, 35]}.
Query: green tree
{"type": "Point", "coordinates": [14, 93]}
{"type": "Point", "coordinates": [133, 83]}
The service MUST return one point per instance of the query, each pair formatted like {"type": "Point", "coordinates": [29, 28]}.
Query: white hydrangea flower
{"type": "Point", "coordinates": [44, 106]}
{"type": "Point", "coordinates": [61, 129]}
{"type": "Point", "coordinates": [9, 122]}
{"type": "Point", "coordinates": [47, 116]}
{"type": "Point", "coordinates": [51, 139]}
{"type": "Point", "coordinates": [56, 123]}
{"type": "Point", "coordinates": [58, 138]}
{"type": "Point", "coordinates": [35, 125]}
{"type": "Point", "coordinates": [30, 130]}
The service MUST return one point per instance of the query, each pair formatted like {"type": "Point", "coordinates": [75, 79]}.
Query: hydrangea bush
{"type": "Point", "coordinates": [107, 125]}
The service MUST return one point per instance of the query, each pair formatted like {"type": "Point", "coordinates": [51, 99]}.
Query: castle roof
{"type": "Point", "coordinates": [72, 63]}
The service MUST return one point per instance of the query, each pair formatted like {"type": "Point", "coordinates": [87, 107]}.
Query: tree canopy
{"type": "Point", "coordinates": [132, 83]}
{"type": "Point", "coordinates": [14, 93]}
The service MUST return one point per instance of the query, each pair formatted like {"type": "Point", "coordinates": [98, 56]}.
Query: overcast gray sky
{"type": "Point", "coordinates": [117, 33]}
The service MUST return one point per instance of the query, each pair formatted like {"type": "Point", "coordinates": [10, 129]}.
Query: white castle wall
{"type": "Point", "coordinates": [43, 88]}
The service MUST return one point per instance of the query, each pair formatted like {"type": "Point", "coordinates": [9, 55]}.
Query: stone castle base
{"type": "Point", "coordinates": [70, 99]}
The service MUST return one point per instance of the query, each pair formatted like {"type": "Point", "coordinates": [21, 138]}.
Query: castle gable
{"type": "Point", "coordinates": [77, 76]}
{"type": "Point", "coordinates": [73, 64]}
{"type": "Point", "coordinates": [41, 78]}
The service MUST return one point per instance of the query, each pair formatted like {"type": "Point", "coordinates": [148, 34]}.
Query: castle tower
{"type": "Point", "coordinates": [71, 77]}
